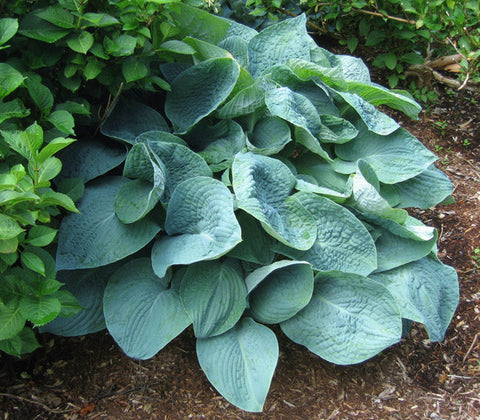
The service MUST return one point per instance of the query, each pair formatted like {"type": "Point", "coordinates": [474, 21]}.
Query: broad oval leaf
{"type": "Point", "coordinates": [342, 243]}
{"type": "Point", "coordinates": [269, 136]}
{"type": "Point", "coordinates": [394, 158]}
{"type": "Point", "coordinates": [10, 79]}
{"type": "Point", "coordinates": [11, 321]}
{"type": "Point", "coordinates": [129, 118]}
{"type": "Point", "coordinates": [199, 91]}
{"type": "Point", "coordinates": [200, 223]}
{"type": "Point", "coordinates": [349, 319]}
{"type": "Point", "coordinates": [89, 158]}
{"type": "Point", "coordinates": [277, 44]}
{"type": "Point", "coordinates": [240, 363]}
{"type": "Point", "coordinates": [278, 291]}
{"type": "Point", "coordinates": [39, 309]}
{"type": "Point", "coordinates": [214, 296]}
{"type": "Point", "coordinates": [95, 236]}
{"type": "Point", "coordinates": [427, 291]}
{"type": "Point", "coordinates": [262, 187]}
{"type": "Point", "coordinates": [141, 314]}
{"type": "Point", "coordinates": [88, 287]}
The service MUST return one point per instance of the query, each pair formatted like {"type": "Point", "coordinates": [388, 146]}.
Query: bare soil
{"type": "Point", "coordinates": [89, 377]}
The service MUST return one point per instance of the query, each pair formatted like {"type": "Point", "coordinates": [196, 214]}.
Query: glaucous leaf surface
{"type": "Point", "coordinates": [129, 118]}
{"type": "Point", "coordinates": [95, 236]}
{"type": "Point", "coordinates": [199, 90]}
{"type": "Point", "coordinates": [213, 281]}
{"type": "Point", "coordinates": [262, 187]}
{"type": "Point", "coordinates": [349, 319]}
{"type": "Point", "coordinates": [394, 158]}
{"type": "Point", "coordinates": [89, 158]}
{"type": "Point", "coordinates": [141, 313]}
{"type": "Point", "coordinates": [240, 363]}
{"type": "Point", "coordinates": [426, 291]}
{"type": "Point", "coordinates": [342, 243]}
{"type": "Point", "coordinates": [269, 136]}
{"type": "Point", "coordinates": [277, 44]}
{"type": "Point", "coordinates": [200, 225]}
{"type": "Point", "coordinates": [278, 291]}
{"type": "Point", "coordinates": [88, 287]}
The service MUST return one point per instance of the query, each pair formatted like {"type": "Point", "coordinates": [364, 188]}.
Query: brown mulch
{"type": "Point", "coordinates": [89, 377]}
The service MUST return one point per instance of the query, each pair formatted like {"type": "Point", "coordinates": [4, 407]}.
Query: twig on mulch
{"type": "Point", "coordinates": [467, 354]}
{"type": "Point", "coordinates": [44, 406]}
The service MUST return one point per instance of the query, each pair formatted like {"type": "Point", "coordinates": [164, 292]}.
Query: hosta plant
{"type": "Point", "coordinates": [264, 188]}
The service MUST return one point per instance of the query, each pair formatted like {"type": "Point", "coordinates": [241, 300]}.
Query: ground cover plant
{"type": "Point", "coordinates": [263, 188]}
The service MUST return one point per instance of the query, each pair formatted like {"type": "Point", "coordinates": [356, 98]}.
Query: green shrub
{"type": "Point", "coordinates": [263, 188]}
{"type": "Point", "coordinates": [404, 33]}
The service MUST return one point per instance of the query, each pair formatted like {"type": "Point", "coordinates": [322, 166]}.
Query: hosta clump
{"type": "Point", "coordinates": [266, 188]}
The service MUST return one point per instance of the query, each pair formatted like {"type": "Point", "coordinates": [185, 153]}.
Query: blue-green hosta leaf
{"type": "Point", "coordinates": [318, 73]}
{"type": "Point", "coordinates": [200, 223]}
{"type": "Point", "coordinates": [394, 158]}
{"type": "Point", "coordinates": [319, 172]}
{"type": "Point", "coordinates": [156, 135]}
{"type": "Point", "coordinates": [177, 47]}
{"type": "Point", "coordinates": [136, 199]}
{"type": "Point", "coordinates": [199, 91]}
{"type": "Point", "coordinates": [205, 50]}
{"type": "Point", "coordinates": [88, 287]}
{"type": "Point", "coordinates": [426, 291]}
{"type": "Point", "coordinates": [366, 197]}
{"type": "Point", "coordinates": [262, 187]}
{"type": "Point", "coordinates": [95, 236]}
{"type": "Point", "coordinates": [349, 319]}
{"type": "Point", "coordinates": [178, 163]}
{"type": "Point", "coordinates": [411, 228]}
{"type": "Point", "coordinates": [269, 136]}
{"type": "Point", "coordinates": [379, 95]}
{"type": "Point", "coordinates": [141, 314]}
{"type": "Point", "coordinates": [342, 244]}
{"type": "Point", "coordinates": [10, 79]}
{"type": "Point", "coordinates": [129, 118]}
{"type": "Point", "coordinates": [354, 69]}
{"type": "Point", "coordinates": [240, 363]}
{"type": "Point", "coordinates": [256, 246]}
{"type": "Point", "coordinates": [238, 30]}
{"type": "Point", "coordinates": [214, 296]}
{"type": "Point", "coordinates": [238, 47]}
{"type": "Point", "coordinates": [307, 139]}
{"type": "Point", "coordinates": [277, 44]}
{"type": "Point", "coordinates": [336, 130]}
{"type": "Point", "coordinates": [394, 251]}
{"type": "Point", "coordinates": [294, 108]}
{"type": "Point", "coordinates": [89, 158]}
{"type": "Point", "coordinates": [141, 164]}
{"type": "Point", "coordinates": [376, 121]}
{"type": "Point", "coordinates": [278, 291]}
{"type": "Point", "coordinates": [425, 190]}
{"type": "Point", "coordinates": [247, 101]}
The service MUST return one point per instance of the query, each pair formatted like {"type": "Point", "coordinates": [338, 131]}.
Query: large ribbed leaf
{"type": "Point", "coordinates": [294, 108]}
{"type": "Point", "coordinates": [200, 223]}
{"type": "Point", "coordinates": [262, 187]}
{"type": "Point", "coordinates": [425, 190]}
{"type": "Point", "coordinates": [240, 363]}
{"type": "Point", "coordinates": [214, 296]}
{"type": "Point", "coordinates": [256, 245]}
{"type": "Point", "coordinates": [245, 102]}
{"type": "Point", "coordinates": [394, 251]}
{"type": "Point", "coordinates": [141, 314]}
{"type": "Point", "coordinates": [394, 158]}
{"type": "Point", "coordinates": [426, 291]}
{"type": "Point", "coordinates": [349, 319]}
{"type": "Point", "coordinates": [278, 291]}
{"type": "Point", "coordinates": [178, 163]}
{"type": "Point", "coordinates": [130, 118]}
{"type": "Point", "coordinates": [95, 236]}
{"type": "Point", "coordinates": [199, 90]}
{"type": "Point", "coordinates": [277, 44]}
{"type": "Point", "coordinates": [88, 287]}
{"type": "Point", "coordinates": [89, 158]}
{"type": "Point", "coordinates": [342, 244]}
{"type": "Point", "coordinates": [269, 136]}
